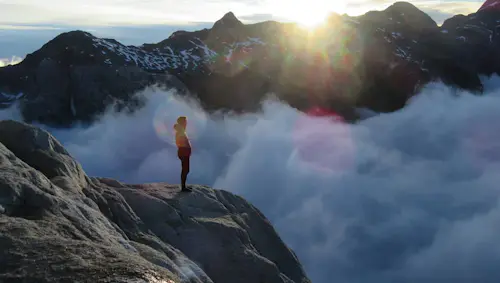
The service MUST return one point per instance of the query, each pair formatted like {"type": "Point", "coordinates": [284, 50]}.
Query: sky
{"type": "Point", "coordinates": [134, 12]}
{"type": "Point", "coordinates": [25, 25]}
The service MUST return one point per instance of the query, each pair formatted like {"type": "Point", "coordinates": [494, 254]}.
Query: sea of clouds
{"type": "Point", "coordinates": [410, 196]}
{"type": "Point", "coordinates": [10, 61]}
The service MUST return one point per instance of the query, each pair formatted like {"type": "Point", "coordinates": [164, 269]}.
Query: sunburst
{"type": "Point", "coordinates": [310, 13]}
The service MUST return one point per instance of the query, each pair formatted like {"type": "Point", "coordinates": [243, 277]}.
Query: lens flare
{"type": "Point", "coordinates": [323, 141]}
{"type": "Point", "coordinates": [166, 116]}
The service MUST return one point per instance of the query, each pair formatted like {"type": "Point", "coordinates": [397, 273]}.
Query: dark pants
{"type": "Point", "coordinates": [184, 153]}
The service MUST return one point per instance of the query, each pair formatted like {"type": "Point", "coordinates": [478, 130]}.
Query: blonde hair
{"type": "Point", "coordinates": [181, 123]}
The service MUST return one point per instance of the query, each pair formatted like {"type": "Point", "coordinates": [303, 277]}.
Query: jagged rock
{"type": "Point", "coordinates": [229, 20]}
{"type": "Point", "coordinates": [490, 5]}
{"type": "Point", "coordinates": [41, 151]}
{"type": "Point", "coordinates": [58, 225]}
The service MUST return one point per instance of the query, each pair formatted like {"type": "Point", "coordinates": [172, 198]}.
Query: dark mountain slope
{"type": "Point", "coordinates": [377, 60]}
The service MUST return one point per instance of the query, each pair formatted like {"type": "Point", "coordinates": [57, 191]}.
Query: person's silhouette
{"type": "Point", "coordinates": [183, 148]}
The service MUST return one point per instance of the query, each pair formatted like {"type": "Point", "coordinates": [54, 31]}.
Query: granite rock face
{"type": "Point", "coordinates": [57, 225]}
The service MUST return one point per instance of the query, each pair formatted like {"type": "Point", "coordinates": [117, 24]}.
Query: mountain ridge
{"type": "Point", "coordinates": [377, 61]}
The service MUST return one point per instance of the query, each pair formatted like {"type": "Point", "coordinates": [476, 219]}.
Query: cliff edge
{"type": "Point", "coordinates": [57, 225]}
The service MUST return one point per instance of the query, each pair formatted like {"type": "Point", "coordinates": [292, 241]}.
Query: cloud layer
{"type": "Point", "coordinates": [10, 61]}
{"type": "Point", "coordinates": [410, 196]}
{"type": "Point", "coordinates": [121, 12]}
{"type": "Point", "coordinates": [154, 12]}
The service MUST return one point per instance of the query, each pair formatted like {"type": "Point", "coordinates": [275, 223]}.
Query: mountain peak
{"type": "Point", "coordinates": [411, 15]}
{"type": "Point", "coordinates": [403, 5]}
{"type": "Point", "coordinates": [229, 20]}
{"type": "Point", "coordinates": [490, 5]}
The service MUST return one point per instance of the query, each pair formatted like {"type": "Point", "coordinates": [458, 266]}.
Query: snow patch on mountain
{"type": "Point", "coordinates": [167, 58]}
{"type": "Point", "coordinates": [10, 97]}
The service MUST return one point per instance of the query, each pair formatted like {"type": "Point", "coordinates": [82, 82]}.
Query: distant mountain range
{"type": "Point", "coordinates": [376, 61]}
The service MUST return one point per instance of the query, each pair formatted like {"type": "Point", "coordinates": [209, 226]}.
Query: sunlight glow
{"type": "Point", "coordinates": [309, 13]}
{"type": "Point", "coordinates": [10, 61]}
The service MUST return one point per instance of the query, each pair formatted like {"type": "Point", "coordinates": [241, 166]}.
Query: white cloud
{"type": "Point", "coordinates": [10, 61]}
{"type": "Point", "coordinates": [410, 196]}
{"type": "Point", "coordinates": [127, 12]}
{"type": "Point", "coordinates": [451, 7]}
{"type": "Point", "coordinates": [27, 27]}
{"type": "Point", "coordinates": [116, 12]}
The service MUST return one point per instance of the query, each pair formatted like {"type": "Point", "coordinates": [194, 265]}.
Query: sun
{"type": "Point", "coordinates": [311, 13]}
{"type": "Point", "coordinates": [311, 20]}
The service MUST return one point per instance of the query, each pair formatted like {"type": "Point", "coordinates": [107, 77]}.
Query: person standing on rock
{"type": "Point", "coordinates": [183, 149]}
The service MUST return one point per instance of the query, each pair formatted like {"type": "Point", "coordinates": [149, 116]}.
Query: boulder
{"type": "Point", "coordinates": [58, 225]}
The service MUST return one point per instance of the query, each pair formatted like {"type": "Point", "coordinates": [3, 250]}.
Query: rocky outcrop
{"type": "Point", "coordinates": [490, 5]}
{"type": "Point", "coordinates": [58, 225]}
{"type": "Point", "coordinates": [228, 21]}
{"type": "Point", "coordinates": [375, 61]}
